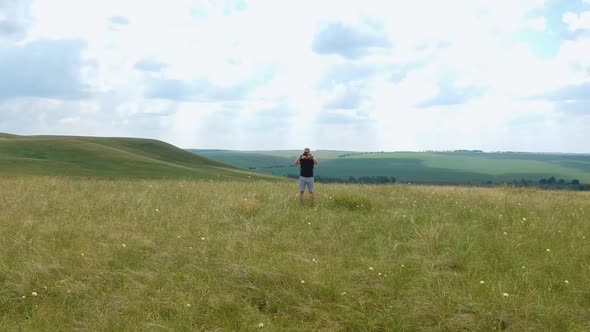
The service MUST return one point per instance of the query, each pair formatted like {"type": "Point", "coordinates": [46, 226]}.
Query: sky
{"type": "Point", "coordinates": [370, 75]}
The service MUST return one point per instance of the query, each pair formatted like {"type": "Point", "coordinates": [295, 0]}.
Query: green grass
{"type": "Point", "coordinates": [179, 255]}
{"type": "Point", "coordinates": [423, 167]}
{"type": "Point", "coordinates": [108, 157]}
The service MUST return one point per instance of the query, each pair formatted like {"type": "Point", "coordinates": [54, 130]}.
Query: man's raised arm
{"type": "Point", "coordinates": [298, 160]}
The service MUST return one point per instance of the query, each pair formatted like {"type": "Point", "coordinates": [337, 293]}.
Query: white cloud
{"type": "Point", "coordinates": [577, 22]}
{"type": "Point", "coordinates": [254, 74]}
{"type": "Point", "coordinates": [538, 24]}
{"type": "Point", "coordinates": [15, 19]}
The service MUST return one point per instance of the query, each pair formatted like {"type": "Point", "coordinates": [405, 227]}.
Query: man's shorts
{"type": "Point", "coordinates": [304, 181]}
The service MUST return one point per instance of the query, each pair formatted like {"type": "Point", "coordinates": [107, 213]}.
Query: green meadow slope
{"type": "Point", "coordinates": [419, 167]}
{"type": "Point", "coordinates": [108, 157]}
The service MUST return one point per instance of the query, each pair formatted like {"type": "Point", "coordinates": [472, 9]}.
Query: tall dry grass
{"type": "Point", "coordinates": [237, 256]}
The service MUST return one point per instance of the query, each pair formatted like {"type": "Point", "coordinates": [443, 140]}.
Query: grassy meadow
{"type": "Point", "coordinates": [208, 255]}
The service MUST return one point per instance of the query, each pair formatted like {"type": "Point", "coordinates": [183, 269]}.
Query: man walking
{"type": "Point", "coordinates": [306, 162]}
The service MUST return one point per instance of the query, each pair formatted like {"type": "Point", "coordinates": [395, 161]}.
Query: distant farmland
{"type": "Point", "coordinates": [419, 167]}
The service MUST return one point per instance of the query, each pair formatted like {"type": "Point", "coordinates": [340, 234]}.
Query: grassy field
{"type": "Point", "coordinates": [108, 157]}
{"type": "Point", "coordinates": [176, 255]}
{"type": "Point", "coordinates": [423, 167]}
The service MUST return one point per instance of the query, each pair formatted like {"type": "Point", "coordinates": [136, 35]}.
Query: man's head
{"type": "Point", "coordinates": [306, 151]}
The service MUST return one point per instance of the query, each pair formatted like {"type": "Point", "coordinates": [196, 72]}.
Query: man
{"type": "Point", "coordinates": [306, 162]}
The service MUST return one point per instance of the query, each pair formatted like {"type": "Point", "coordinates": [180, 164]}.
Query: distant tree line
{"type": "Point", "coordinates": [551, 183]}
{"type": "Point", "coordinates": [544, 183]}
{"type": "Point", "coordinates": [357, 154]}
{"type": "Point", "coordinates": [363, 179]}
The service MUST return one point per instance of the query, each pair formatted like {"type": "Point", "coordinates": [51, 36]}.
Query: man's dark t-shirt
{"type": "Point", "coordinates": [306, 168]}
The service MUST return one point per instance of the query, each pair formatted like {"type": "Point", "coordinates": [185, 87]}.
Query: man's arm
{"type": "Point", "coordinates": [298, 160]}
{"type": "Point", "coordinates": [315, 161]}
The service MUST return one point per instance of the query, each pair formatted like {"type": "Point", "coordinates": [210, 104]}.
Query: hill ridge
{"type": "Point", "coordinates": [108, 157]}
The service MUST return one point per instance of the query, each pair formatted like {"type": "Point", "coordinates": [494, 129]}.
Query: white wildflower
{"type": "Point", "coordinates": [34, 293]}
{"type": "Point", "coordinates": [370, 268]}
{"type": "Point", "coordinates": [548, 250]}
{"type": "Point", "coordinates": [261, 325]}
{"type": "Point", "coordinates": [567, 282]}
{"type": "Point", "coordinates": [505, 294]}
{"type": "Point", "coordinates": [123, 245]}
{"type": "Point", "coordinates": [302, 281]}
{"type": "Point", "coordinates": [481, 282]}
{"type": "Point", "coordinates": [157, 210]}
{"type": "Point", "coordinates": [188, 305]}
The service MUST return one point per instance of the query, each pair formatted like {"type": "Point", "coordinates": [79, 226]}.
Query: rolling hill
{"type": "Point", "coordinates": [418, 167]}
{"type": "Point", "coordinates": [108, 157]}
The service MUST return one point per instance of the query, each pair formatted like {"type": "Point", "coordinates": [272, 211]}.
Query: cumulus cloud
{"type": "Point", "coordinates": [205, 90]}
{"type": "Point", "coordinates": [342, 73]}
{"type": "Point", "coordinates": [15, 18]}
{"type": "Point", "coordinates": [150, 65]}
{"type": "Point", "coordinates": [201, 90]}
{"type": "Point", "coordinates": [327, 73]}
{"type": "Point", "coordinates": [450, 94]}
{"type": "Point", "coordinates": [116, 23]}
{"type": "Point", "coordinates": [572, 99]}
{"type": "Point", "coordinates": [45, 68]}
{"type": "Point", "coordinates": [576, 22]}
{"type": "Point", "coordinates": [33, 116]}
{"type": "Point", "coordinates": [344, 96]}
{"type": "Point", "coordinates": [350, 41]}
{"type": "Point", "coordinates": [572, 92]}
{"type": "Point", "coordinates": [118, 20]}
{"type": "Point", "coordinates": [537, 23]}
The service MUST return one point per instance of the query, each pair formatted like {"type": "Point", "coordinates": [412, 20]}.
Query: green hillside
{"type": "Point", "coordinates": [423, 167]}
{"type": "Point", "coordinates": [107, 157]}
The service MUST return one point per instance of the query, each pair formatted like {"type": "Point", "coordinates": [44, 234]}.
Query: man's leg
{"type": "Point", "coordinates": [301, 189]}
{"type": "Point", "coordinates": [310, 188]}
